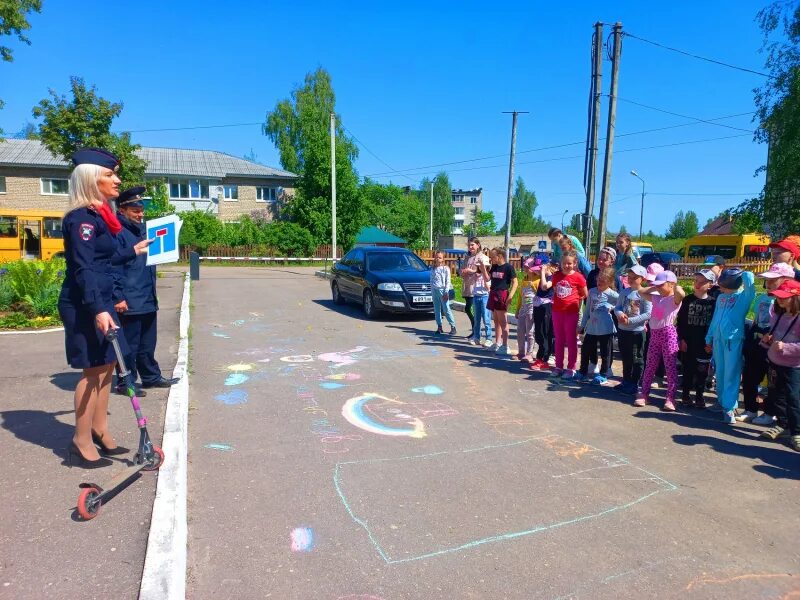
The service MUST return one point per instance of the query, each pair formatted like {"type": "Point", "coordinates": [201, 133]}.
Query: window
{"type": "Point", "coordinates": [703, 251]}
{"type": "Point", "coordinates": [231, 192]}
{"type": "Point", "coordinates": [473, 200]}
{"type": "Point", "coordinates": [760, 252]}
{"type": "Point", "coordinates": [8, 227]}
{"type": "Point", "coordinates": [266, 194]}
{"type": "Point", "coordinates": [55, 186]}
{"type": "Point", "coordinates": [460, 210]}
{"type": "Point", "coordinates": [2, 185]}
{"type": "Point", "coordinates": [188, 189]}
{"type": "Point", "coordinates": [52, 228]}
{"type": "Point", "coordinates": [458, 198]}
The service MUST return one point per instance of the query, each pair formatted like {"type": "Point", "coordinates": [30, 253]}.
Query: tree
{"type": "Point", "coordinates": [158, 205]}
{"type": "Point", "coordinates": [777, 208]}
{"type": "Point", "coordinates": [485, 223]}
{"type": "Point", "coordinates": [299, 127]}
{"type": "Point", "coordinates": [683, 226]}
{"type": "Point", "coordinates": [85, 121]}
{"type": "Point", "coordinates": [392, 209]}
{"type": "Point", "coordinates": [623, 229]}
{"type": "Point", "coordinates": [14, 22]}
{"type": "Point", "coordinates": [28, 132]}
{"type": "Point", "coordinates": [523, 211]}
{"type": "Point", "coordinates": [443, 211]}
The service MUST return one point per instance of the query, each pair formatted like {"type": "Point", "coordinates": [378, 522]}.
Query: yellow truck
{"type": "Point", "coordinates": [748, 246]}
{"type": "Point", "coordinates": [30, 235]}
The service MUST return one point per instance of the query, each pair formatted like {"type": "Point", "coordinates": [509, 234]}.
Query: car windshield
{"type": "Point", "coordinates": [395, 261]}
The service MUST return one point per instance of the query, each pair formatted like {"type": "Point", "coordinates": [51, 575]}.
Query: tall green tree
{"type": "Point", "coordinates": [777, 208]}
{"type": "Point", "coordinates": [397, 211]}
{"type": "Point", "coordinates": [683, 226]}
{"type": "Point", "coordinates": [84, 120]}
{"type": "Point", "coordinates": [443, 211]}
{"type": "Point", "coordinates": [299, 126]}
{"type": "Point", "coordinates": [485, 223]}
{"type": "Point", "coordinates": [14, 22]}
{"type": "Point", "coordinates": [523, 211]}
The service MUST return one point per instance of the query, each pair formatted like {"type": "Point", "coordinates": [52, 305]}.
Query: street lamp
{"type": "Point", "coordinates": [641, 212]}
{"type": "Point", "coordinates": [562, 219]}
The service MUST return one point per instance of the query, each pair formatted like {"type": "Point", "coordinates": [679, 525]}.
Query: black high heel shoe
{"type": "Point", "coordinates": [98, 440]}
{"type": "Point", "coordinates": [84, 462]}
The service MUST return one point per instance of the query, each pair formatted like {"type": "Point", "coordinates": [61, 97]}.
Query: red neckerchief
{"type": "Point", "coordinates": [109, 217]}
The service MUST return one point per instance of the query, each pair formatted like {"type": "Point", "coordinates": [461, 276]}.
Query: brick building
{"type": "Point", "coordinates": [33, 178]}
{"type": "Point", "coordinates": [465, 204]}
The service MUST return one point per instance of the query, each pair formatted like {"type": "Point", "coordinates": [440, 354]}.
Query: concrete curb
{"type": "Point", "coordinates": [51, 330]}
{"type": "Point", "coordinates": [323, 274]}
{"type": "Point", "coordinates": [164, 575]}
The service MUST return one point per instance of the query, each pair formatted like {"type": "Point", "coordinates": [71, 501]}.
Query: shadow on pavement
{"type": "Point", "coordinates": [66, 381]}
{"type": "Point", "coordinates": [40, 428]}
{"type": "Point", "coordinates": [781, 462]}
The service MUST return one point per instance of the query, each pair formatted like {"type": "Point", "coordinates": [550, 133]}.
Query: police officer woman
{"type": "Point", "coordinates": [85, 304]}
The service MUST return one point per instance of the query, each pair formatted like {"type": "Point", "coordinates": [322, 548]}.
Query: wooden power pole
{"type": "Point", "coordinates": [594, 126]}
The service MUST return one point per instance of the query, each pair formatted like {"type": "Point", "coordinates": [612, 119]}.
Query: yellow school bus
{"type": "Point", "coordinates": [748, 246]}
{"type": "Point", "coordinates": [30, 234]}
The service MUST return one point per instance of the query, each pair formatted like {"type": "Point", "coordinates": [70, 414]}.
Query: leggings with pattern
{"type": "Point", "coordinates": [663, 345]}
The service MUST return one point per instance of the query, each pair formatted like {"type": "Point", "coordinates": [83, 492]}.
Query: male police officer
{"type": "Point", "coordinates": [135, 296]}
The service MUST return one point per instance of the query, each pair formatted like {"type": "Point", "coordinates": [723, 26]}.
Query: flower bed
{"type": "Point", "coordinates": [29, 293]}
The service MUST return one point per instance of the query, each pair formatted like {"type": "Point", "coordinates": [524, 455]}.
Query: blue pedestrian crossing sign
{"type": "Point", "coordinates": [164, 233]}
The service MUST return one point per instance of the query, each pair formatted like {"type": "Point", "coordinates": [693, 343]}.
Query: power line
{"type": "Point", "coordinates": [378, 158]}
{"type": "Point", "coordinates": [582, 142]}
{"type": "Point", "coordinates": [674, 114]}
{"type": "Point", "coordinates": [697, 56]}
{"type": "Point", "coordinates": [193, 127]}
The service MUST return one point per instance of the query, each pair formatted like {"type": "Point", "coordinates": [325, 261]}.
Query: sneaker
{"type": "Point", "coordinates": [580, 378]}
{"type": "Point", "coordinates": [543, 366]}
{"type": "Point", "coordinates": [487, 343]}
{"type": "Point", "coordinates": [569, 375]}
{"type": "Point", "coordinates": [654, 385]}
{"type": "Point", "coordinates": [599, 380]}
{"type": "Point", "coordinates": [502, 350]}
{"type": "Point", "coordinates": [775, 432]}
{"type": "Point", "coordinates": [746, 417]}
{"type": "Point", "coordinates": [669, 406]}
{"type": "Point", "coordinates": [729, 417]}
{"type": "Point", "coordinates": [551, 361]}
{"type": "Point", "coordinates": [472, 342]}
{"type": "Point", "coordinates": [452, 331]}
{"type": "Point", "coordinates": [794, 443]}
{"type": "Point", "coordinates": [640, 400]}
{"type": "Point", "coordinates": [439, 331]}
{"type": "Point", "coordinates": [764, 419]}
{"type": "Point", "coordinates": [593, 369]}
{"type": "Point", "coordinates": [491, 347]}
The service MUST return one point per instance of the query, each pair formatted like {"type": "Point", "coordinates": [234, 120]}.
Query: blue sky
{"type": "Point", "coordinates": [424, 83]}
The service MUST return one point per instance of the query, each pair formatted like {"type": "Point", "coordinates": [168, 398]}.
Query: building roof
{"type": "Point", "coordinates": [473, 191]}
{"type": "Point", "coordinates": [720, 226]}
{"type": "Point", "coordinates": [160, 161]}
{"type": "Point", "coordinates": [376, 235]}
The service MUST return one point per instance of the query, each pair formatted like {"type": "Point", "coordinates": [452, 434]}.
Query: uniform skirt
{"type": "Point", "coordinates": [85, 345]}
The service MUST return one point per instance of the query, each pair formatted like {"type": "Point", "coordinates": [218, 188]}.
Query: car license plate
{"type": "Point", "coordinates": [416, 299]}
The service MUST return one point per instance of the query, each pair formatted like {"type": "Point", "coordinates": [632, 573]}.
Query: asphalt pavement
{"type": "Point", "coordinates": [46, 551]}
{"type": "Point", "coordinates": [334, 457]}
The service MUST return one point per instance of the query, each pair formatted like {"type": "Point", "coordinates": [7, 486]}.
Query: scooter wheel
{"type": "Point", "coordinates": [88, 508]}
{"type": "Point", "coordinates": [154, 464]}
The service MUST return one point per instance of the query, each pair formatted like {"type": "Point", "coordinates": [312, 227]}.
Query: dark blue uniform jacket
{"type": "Point", "coordinates": [134, 281]}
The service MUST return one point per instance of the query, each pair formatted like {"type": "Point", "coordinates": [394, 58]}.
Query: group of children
{"type": "Point", "coordinates": [657, 326]}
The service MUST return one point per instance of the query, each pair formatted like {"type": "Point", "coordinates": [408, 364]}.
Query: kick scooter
{"type": "Point", "coordinates": [148, 457]}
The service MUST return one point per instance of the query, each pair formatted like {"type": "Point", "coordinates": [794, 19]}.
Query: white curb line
{"type": "Point", "coordinates": [50, 330]}
{"type": "Point", "coordinates": [164, 575]}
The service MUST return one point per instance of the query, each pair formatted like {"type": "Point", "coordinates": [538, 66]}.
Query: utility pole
{"type": "Point", "coordinates": [511, 176]}
{"type": "Point", "coordinates": [430, 231]}
{"type": "Point", "coordinates": [333, 186]}
{"type": "Point", "coordinates": [612, 120]}
{"type": "Point", "coordinates": [596, 92]}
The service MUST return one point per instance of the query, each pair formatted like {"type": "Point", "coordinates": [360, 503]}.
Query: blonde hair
{"type": "Point", "coordinates": [83, 190]}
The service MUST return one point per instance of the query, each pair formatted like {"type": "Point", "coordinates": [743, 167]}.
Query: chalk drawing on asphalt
{"type": "Point", "coordinates": [343, 377]}
{"type": "Point", "coordinates": [240, 367]}
{"type": "Point", "coordinates": [356, 413]}
{"type": "Point", "coordinates": [220, 447]}
{"type": "Point", "coordinates": [302, 539]}
{"type": "Point", "coordinates": [531, 463]}
{"type": "Point", "coordinates": [342, 359]}
{"type": "Point", "coordinates": [236, 379]}
{"type": "Point", "coordinates": [298, 358]}
{"type": "Point", "coordinates": [432, 390]}
{"type": "Point", "coordinates": [236, 396]}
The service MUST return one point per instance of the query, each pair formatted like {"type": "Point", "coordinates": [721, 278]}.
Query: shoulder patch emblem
{"type": "Point", "coordinates": [86, 231]}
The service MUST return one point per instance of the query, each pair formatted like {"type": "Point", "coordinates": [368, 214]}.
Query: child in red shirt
{"type": "Point", "coordinates": [570, 290]}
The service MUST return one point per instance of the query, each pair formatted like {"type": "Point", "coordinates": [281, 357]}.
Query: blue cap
{"type": "Point", "coordinates": [131, 198]}
{"type": "Point", "coordinates": [731, 279]}
{"type": "Point", "coordinates": [95, 156]}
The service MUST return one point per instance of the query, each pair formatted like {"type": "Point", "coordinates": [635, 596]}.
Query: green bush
{"type": "Point", "coordinates": [200, 230]}
{"type": "Point", "coordinates": [289, 238]}
{"type": "Point", "coordinates": [29, 277]}
{"type": "Point", "coordinates": [44, 302]}
{"type": "Point", "coordinates": [7, 295]}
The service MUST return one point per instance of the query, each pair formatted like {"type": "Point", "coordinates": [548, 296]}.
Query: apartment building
{"type": "Point", "coordinates": [465, 204]}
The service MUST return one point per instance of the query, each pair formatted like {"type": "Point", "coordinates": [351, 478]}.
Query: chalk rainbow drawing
{"type": "Point", "coordinates": [341, 359]}
{"type": "Point", "coordinates": [240, 367]}
{"type": "Point", "coordinates": [432, 390]}
{"type": "Point", "coordinates": [355, 414]}
{"type": "Point", "coordinates": [331, 385]}
{"type": "Point", "coordinates": [232, 398]}
{"type": "Point", "coordinates": [302, 539]}
{"type": "Point", "coordinates": [236, 379]}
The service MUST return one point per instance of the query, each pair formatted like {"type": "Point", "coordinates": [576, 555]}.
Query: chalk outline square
{"type": "Point", "coordinates": [666, 486]}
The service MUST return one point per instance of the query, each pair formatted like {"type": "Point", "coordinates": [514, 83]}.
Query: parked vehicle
{"type": "Point", "coordinates": [382, 279]}
{"type": "Point", "coordinates": [665, 259]}
{"type": "Point", "coordinates": [748, 246]}
{"type": "Point", "coordinates": [641, 248]}
{"type": "Point", "coordinates": [30, 234]}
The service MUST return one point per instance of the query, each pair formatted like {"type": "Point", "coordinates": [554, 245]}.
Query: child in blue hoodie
{"type": "Point", "coordinates": [725, 337]}
{"type": "Point", "coordinates": [598, 326]}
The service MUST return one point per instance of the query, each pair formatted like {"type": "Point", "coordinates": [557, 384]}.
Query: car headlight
{"type": "Point", "coordinates": [390, 287]}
